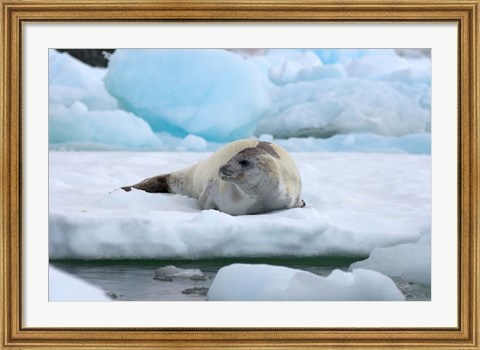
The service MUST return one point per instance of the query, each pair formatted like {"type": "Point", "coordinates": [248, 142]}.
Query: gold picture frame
{"type": "Point", "coordinates": [465, 13]}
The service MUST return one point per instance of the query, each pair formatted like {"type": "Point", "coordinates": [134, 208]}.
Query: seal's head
{"type": "Point", "coordinates": [248, 168]}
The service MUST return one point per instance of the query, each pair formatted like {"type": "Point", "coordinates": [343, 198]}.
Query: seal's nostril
{"type": "Point", "coordinates": [225, 171]}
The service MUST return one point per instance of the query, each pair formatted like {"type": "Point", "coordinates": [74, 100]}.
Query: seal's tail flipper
{"type": "Point", "coordinates": [156, 184]}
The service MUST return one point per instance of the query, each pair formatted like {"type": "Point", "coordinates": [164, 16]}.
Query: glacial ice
{"type": "Point", "coordinates": [243, 282]}
{"type": "Point", "coordinates": [70, 80]}
{"type": "Point", "coordinates": [195, 100]}
{"type": "Point", "coordinates": [63, 286]}
{"type": "Point", "coordinates": [410, 261]}
{"type": "Point", "coordinates": [345, 56]}
{"type": "Point", "coordinates": [369, 143]}
{"type": "Point", "coordinates": [211, 93]}
{"type": "Point", "coordinates": [375, 67]}
{"type": "Point", "coordinates": [289, 70]}
{"type": "Point", "coordinates": [113, 127]}
{"type": "Point", "coordinates": [328, 107]}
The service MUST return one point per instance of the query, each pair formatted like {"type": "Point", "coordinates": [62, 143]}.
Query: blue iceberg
{"type": "Point", "coordinates": [214, 94]}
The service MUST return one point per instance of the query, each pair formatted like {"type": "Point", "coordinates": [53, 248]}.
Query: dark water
{"type": "Point", "coordinates": [134, 280]}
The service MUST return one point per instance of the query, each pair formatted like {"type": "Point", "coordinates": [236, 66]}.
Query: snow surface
{"type": "Point", "coordinates": [355, 203]}
{"type": "Point", "coordinates": [192, 100]}
{"type": "Point", "coordinates": [65, 287]}
{"type": "Point", "coordinates": [242, 282]}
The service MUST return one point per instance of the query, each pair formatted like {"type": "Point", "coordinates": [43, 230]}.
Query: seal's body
{"type": "Point", "coordinates": [243, 177]}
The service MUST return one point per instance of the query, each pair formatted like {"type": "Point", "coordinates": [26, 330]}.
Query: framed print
{"type": "Point", "coordinates": [241, 175]}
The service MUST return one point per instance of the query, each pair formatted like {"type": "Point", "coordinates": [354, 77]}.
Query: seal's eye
{"type": "Point", "coordinates": [244, 163]}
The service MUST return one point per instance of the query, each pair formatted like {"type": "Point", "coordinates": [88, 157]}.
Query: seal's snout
{"type": "Point", "coordinates": [225, 171]}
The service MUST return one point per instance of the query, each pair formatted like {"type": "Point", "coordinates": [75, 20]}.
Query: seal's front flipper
{"type": "Point", "coordinates": [156, 184]}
